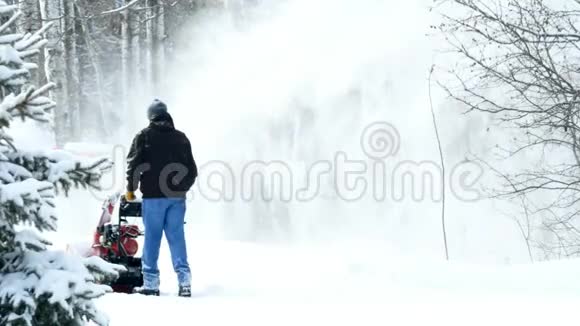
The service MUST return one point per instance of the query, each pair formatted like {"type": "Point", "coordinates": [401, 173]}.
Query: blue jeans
{"type": "Point", "coordinates": [159, 215]}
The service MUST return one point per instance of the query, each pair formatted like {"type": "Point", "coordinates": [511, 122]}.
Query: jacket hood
{"type": "Point", "coordinates": [162, 121]}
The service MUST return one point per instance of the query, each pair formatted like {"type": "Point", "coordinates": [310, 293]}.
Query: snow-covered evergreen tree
{"type": "Point", "coordinates": [38, 286]}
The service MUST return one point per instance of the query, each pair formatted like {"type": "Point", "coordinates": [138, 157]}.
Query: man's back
{"type": "Point", "coordinates": [161, 160]}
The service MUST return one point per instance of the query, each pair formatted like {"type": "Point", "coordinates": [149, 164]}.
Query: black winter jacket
{"type": "Point", "coordinates": [160, 160]}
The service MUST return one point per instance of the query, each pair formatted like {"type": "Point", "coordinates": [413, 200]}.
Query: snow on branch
{"type": "Point", "coordinates": [60, 168]}
{"type": "Point", "coordinates": [30, 240]}
{"type": "Point", "coordinates": [29, 103]}
{"type": "Point", "coordinates": [58, 281]}
{"type": "Point", "coordinates": [29, 202]}
{"type": "Point", "coordinates": [10, 38]}
{"type": "Point", "coordinates": [32, 41]}
{"type": "Point", "coordinates": [4, 10]}
{"type": "Point", "coordinates": [120, 9]}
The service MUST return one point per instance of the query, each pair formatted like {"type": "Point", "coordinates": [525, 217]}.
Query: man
{"type": "Point", "coordinates": [160, 160]}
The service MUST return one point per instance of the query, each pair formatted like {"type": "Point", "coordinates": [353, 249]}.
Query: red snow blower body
{"type": "Point", "coordinates": [116, 241]}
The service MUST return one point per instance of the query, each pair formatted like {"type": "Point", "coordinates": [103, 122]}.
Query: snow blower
{"type": "Point", "coordinates": [116, 241]}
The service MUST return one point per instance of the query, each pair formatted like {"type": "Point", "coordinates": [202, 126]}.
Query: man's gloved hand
{"type": "Point", "coordinates": [130, 196]}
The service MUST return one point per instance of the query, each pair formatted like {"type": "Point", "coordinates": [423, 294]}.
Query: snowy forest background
{"type": "Point", "coordinates": [488, 86]}
{"type": "Point", "coordinates": [248, 83]}
{"type": "Point", "coordinates": [105, 54]}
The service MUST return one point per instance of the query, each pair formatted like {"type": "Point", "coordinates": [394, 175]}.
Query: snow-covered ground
{"type": "Point", "coordinates": [350, 282]}
{"type": "Point", "coordinates": [247, 284]}
{"type": "Point", "coordinates": [233, 88]}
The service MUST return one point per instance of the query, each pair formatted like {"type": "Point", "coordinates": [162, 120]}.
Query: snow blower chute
{"type": "Point", "coordinates": [116, 241]}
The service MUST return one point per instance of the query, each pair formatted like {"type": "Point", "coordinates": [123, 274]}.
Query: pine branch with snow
{"type": "Point", "coordinates": [39, 286]}
{"type": "Point", "coordinates": [62, 169]}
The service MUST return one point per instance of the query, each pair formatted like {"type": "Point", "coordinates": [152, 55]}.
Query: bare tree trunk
{"type": "Point", "coordinates": [134, 61]}
{"type": "Point", "coordinates": [141, 48]}
{"type": "Point", "coordinates": [442, 161]}
{"type": "Point", "coordinates": [83, 85]}
{"type": "Point", "coordinates": [148, 45]}
{"type": "Point", "coordinates": [95, 64]}
{"type": "Point", "coordinates": [145, 44]}
{"type": "Point", "coordinates": [54, 67]}
{"type": "Point", "coordinates": [72, 68]}
{"type": "Point", "coordinates": [126, 36]}
{"type": "Point", "coordinates": [31, 22]}
{"type": "Point", "coordinates": [158, 47]}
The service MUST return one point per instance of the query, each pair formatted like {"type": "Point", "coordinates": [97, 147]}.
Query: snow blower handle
{"type": "Point", "coordinates": [123, 200]}
{"type": "Point", "coordinates": [129, 208]}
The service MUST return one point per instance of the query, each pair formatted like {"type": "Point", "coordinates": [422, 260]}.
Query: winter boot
{"type": "Point", "coordinates": [184, 291]}
{"type": "Point", "coordinates": [144, 291]}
